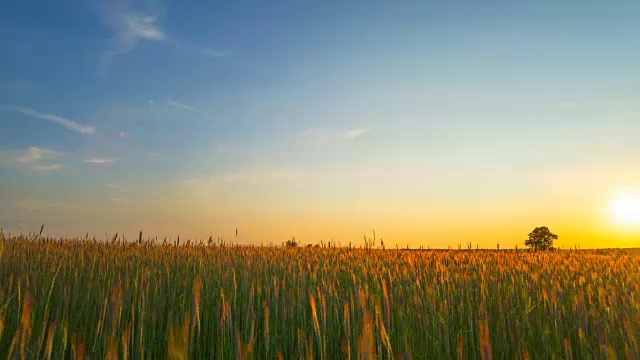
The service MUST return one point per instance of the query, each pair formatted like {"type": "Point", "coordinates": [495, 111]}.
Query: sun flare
{"type": "Point", "coordinates": [625, 207]}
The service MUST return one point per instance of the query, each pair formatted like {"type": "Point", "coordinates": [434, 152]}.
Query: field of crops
{"type": "Point", "coordinates": [83, 299]}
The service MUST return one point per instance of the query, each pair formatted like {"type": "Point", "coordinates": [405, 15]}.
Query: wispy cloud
{"type": "Point", "coordinates": [68, 123]}
{"type": "Point", "coordinates": [35, 154]}
{"type": "Point", "coordinates": [99, 161]}
{"type": "Point", "coordinates": [48, 167]}
{"type": "Point", "coordinates": [142, 27]}
{"type": "Point", "coordinates": [320, 137]}
{"type": "Point", "coordinates": [354, 133]}
{"type": "Point", "coordinates": [179, 105]}
{"type": "Point", "coordinates": [37, 158]}
{"type": "Point", "coordinates": [131, 26]}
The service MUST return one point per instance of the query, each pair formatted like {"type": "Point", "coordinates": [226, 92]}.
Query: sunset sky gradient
{"type": "Point", "coordinates": [434, 123]}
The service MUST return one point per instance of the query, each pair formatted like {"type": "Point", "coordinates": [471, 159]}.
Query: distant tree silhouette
{"type": "Point", "coordinates": [541, 238]}
{"type": "Point", "coordinates": [291, 243]}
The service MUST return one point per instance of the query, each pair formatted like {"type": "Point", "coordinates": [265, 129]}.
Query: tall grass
{"type": "Point", "coordinates": [74, 299]}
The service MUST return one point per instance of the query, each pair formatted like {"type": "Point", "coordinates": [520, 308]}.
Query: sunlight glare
{"type": "Point", "coordinates": [625, 207]}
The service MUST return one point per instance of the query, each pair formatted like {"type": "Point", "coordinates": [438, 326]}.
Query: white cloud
{"type": "Point", "coordinates": [37, 158]}
{"type": "Point", "coordinates": [99, 161]}
{"type": "Point", "coordinates": [354, 133]}
{"type": "Point", "coordinates": [35, 154]}
{"type": "Point", "coordinates": [131, 26]}
{"type": "Point", "coordinates": [49, 167]}
{"type": "Point", "coordinates": [142, 26]}
{"type": "Point", "coordinates": [68, 123]}
{"type": "Point", "coordinates": [179, 105]}
{"type": "Point", "coordinates": [320, 137]}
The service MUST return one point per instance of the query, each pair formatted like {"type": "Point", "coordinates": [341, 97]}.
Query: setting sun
{"type": "Point", "coordinates": [625, 207]}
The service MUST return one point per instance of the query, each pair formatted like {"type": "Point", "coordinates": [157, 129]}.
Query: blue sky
{"type": "Point", "coordinates": [423, 119]}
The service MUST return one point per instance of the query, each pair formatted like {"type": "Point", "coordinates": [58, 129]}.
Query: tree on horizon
{"type": "Point", "coordinates": [541, 239]}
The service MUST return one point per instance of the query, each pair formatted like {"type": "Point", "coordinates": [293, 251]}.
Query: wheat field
{"type": "Point", "coordinates": [79, 298]}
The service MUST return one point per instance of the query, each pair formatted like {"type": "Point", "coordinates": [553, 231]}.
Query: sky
{"type": "Point", "coordinates": [433, 123]}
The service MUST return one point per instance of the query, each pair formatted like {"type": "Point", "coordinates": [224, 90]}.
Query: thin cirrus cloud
{"type": "Point", "coordinates": [51, 167]}
{"type": "Point", "coordinates": [179, 105]}
{"type": "Point", "coordinates": [37, 158]}
{"type": "Point", "coordinates": [36, 154]}
{"type": "Point", "coordinates": [354, 133]}
{"type": "Point", "coordinates": [99, 161]}
{"type": "Point", "coordinates": [318, 136]}
{"type": "Point", "coordinates": [65, 122]}
{"type": "Point", "coordinates": [131, 27]}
